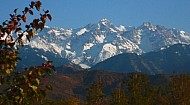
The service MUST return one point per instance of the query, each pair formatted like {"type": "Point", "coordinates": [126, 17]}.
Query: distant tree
{"type": "Point", "coordinates": [67, 101]}
{"type": "Point", "coordinates": [29, 86]}
{"type": "Point", "coordinates": [71, 101]}
{"type": "Point", "coordinates": [95, 94]}
{"type": "Point", "coordinates": [140, 92]}
{"type": "Point", "coordinates": [119, 97]}
{"type": "Point", "coordinates": [178, 91]}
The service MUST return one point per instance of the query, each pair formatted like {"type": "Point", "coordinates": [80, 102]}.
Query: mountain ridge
{"type": "Point", "coordinates": [97, 42]}
{"type": "Point", "coordinates": [174, 59]}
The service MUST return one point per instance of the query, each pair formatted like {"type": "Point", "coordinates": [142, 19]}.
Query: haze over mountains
{"type": "Point", "coordinates": [97, 42]}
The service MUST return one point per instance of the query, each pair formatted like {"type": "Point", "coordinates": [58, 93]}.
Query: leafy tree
{"type": "Point", "coordinates": [29, 86]}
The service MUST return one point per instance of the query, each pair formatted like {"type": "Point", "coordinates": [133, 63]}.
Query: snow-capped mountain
{"type": "Point", "coordinates": [151, 37]}
{"type": "Point", "coordinates": [93, 43]}
{"type": "Point", "coordinates": [172, 59]}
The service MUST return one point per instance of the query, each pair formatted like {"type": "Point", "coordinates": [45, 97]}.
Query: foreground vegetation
{"type": "Point", "coordinates": [28, 86]}
{"type": "Point", "coordinates": [137, 91]}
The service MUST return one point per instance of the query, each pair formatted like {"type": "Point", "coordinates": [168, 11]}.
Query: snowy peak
{"type": "Point", "coordinates": [151, 37]}
{"type": "Point", "coordinates": [94, 43]}
{"type": "Point", "coordinates": [147, 26]}
{"type": "Point", "coordinates": [106, 25]}
{"type": "Point", "coordinates": [105, 22]}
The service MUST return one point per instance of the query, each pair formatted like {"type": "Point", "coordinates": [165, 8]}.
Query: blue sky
{"type": "Point", "coordinates": [78, 13]}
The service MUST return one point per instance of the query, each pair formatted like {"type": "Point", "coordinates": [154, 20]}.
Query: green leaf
{"type": "Point", "coordinates": [7, 90]}
{"type": "Point", "coordinates": [39, 73]}
{"type": "Point", "coordinates": [1, 42]}
{"type": "Point", "coordinates": [17, 97]}
{"type": "Point", "coordinates": [43, 93]}
{"type": "Point", "coordinates": [49, 87]}
{"type": "Point", "coordinates": [26, 78]}
{"type": "Point", "coordinates": [21, 90]}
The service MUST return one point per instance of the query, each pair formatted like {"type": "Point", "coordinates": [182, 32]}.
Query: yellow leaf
{"type": "Point", "coordinates": [34, 88]}
{"type": "Point", "coordinates": [30, 73]}
{"type": "Point", "coordinates": [8, 71]}
{"type": "Point", "coordinates": [38, 81]}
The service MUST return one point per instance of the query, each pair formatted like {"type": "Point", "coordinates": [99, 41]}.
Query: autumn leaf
{"type": "Point", "coordinates": [20, 41]}
{"type": "Point", "coordinates": [15, 10]}
{"type": "Point", "coordinates": [49, 17]}
{"type": "Point", "coordinates": [26, 9]}
{"type": "Point", "coordinates": [32, 4]}
{"type": "Point", "coordinates": [38, 5]}
{"type": "Point", "coordinates": [41, 25]}
{"type": "Point", "coordinates": [43, 18]}
{"type": "Point", "coordinates": [31, 12]}
{"type": "Point", "coordinates": [24, 17]}
{"type": "Point", "coordinates": [18, 29]}
{"type": "Point", "coordinates": [27, 26]}
{"type": "Point", "coordinates": [12, 45]}
{"type": "Point", "coordinates": [28, 37]}
{"type": "Point", "coordinates": [47, 11]}
{"type": "Point", "coordinates": [8, 31]}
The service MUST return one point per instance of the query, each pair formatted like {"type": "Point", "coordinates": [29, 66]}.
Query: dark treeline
{"type": "Point", "coordinates": [137, 90]}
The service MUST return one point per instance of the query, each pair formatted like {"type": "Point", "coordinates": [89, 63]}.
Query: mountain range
{"type": "Point", "coordinates": [97, 42]}
{"type": "Point", "coordinates": [172, 60]}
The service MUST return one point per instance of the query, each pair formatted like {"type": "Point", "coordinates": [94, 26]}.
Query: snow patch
{"type": "Point", "coordinates": [46, 59]}
{"type": "Point", "coordinates": [183, 35]}
{"type": "Point", "coordinates": [108, 51]}
{"type": "Point", "coordinates": [109, 47]}
{"type": "Point", "coordinates": [100, 38]}
{"type": "Point", "coordinates": [113, 30]}
{"type": "Point", "coordinates": [68, 46]}
{"type": "Point", "coordinates": [121, 28]}
{"type": "Point", "coordinates": [84, 66]}
{"type": "Point", "coordinates": [87, 46]}
{"type": "Point", "coordinates": [82, 31]}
